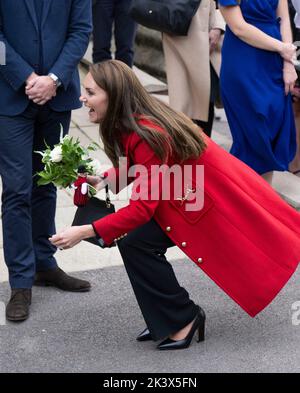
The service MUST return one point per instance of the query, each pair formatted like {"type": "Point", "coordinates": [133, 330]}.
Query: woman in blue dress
{"type": "Point", "coordinates": [257, 76]}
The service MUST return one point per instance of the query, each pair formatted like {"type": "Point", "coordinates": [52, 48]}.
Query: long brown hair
{"type": "Point", "coordinates": [127, 99]}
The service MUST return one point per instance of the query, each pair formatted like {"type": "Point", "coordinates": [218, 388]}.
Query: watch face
{"type": "Point", "coordinates": [55, 79]}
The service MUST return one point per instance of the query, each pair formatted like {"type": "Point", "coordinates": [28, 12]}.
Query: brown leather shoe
{"type": "Point", "coordinates": [59, 279]}
{"type": "Point", "coordinates": [17, 309]}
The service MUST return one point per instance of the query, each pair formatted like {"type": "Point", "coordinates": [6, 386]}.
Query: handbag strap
{"type": "Point", "coordinates": [107, 198]}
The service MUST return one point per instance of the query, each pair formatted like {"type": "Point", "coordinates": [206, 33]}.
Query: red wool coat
{"type": "Point", "coordinates": [245, 238]}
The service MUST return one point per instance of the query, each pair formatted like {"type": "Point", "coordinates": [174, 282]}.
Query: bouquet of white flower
{"type": "Point", "coordinates": [62, 162]}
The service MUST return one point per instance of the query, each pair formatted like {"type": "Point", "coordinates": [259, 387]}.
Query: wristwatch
{"type": "Point", "coordinates": [55, 79]}
{"type": "Point", "coordinates": [100, 241]}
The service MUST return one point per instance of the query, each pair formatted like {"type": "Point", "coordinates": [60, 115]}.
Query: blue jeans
{"type": "Point", "coordinates": [105, 14]}
{"type": "Point", "coordinates": [28, 211]}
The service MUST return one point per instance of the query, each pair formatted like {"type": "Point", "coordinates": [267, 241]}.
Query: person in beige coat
{"type": "Point", "coordinates": [193, 64]}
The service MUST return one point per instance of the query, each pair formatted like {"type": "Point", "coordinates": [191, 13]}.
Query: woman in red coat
{"type": "Point", "coordinates": [232, 224]}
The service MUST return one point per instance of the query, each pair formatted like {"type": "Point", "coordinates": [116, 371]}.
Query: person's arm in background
{"type": "Point", "coordinates": [216, 26]}
{"type": "Point", "coordinates": [16, 70]}
{"type": "Point", "coordinates": [289, 72]}
{"type": "Point", "coordinates": [251, 34]}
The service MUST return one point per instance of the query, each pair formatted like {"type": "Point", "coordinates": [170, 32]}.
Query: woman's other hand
{"type": "Point", "coordinates": [96, 181]}
{"type": "Point", "coordinates": [289, 77]}
{"type": "Point", "coordinates": [214, 38]}
{"type": "Point", "coordinates": [288, 52]}
{"type": "Point", "coordinates": [296, 94]}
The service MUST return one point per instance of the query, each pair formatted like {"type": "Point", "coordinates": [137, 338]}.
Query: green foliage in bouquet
{"type": "Point", "coordinates": [62, 162]}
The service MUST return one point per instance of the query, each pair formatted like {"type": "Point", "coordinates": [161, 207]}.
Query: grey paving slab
{"type": "Point", "coordinates": [64, 199]}
{"type": "Point", "coordinates": [86, 135]}
{"type": "Point", "coordinates": [80, 117]}
{"type": "Point", "coordinates": [288, 186]}
{"type": "Point", "coordinates": [95, 331]}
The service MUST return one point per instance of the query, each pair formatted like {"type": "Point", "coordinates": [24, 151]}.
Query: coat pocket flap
{"type": "Point", "coordinates": [194, 206]}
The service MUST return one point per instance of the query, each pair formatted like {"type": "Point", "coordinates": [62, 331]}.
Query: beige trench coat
{"type": "Point", "coordinates": [187, 63]}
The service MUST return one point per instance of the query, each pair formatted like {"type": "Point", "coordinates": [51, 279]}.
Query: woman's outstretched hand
{"type": "Point", "coordinates": [69, 237]}
{"type": "Point", "coordinates": [288, 51]}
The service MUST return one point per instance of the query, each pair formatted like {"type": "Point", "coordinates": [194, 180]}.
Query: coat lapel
{"type": "Point", "coordinates": [32, 13]}
{"type": "Point", "coordinates": [47, 4]}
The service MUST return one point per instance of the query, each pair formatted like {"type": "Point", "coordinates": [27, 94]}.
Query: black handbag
{"type": "Point", "coordinates": [169, 16]}
{"type": "Point", "coordinates": [93, 210]}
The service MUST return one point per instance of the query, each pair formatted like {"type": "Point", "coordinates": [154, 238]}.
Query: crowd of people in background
{"type": "Point", "coordinates": [193, 64]}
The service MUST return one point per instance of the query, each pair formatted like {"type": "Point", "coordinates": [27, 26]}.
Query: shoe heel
{"type": "Point", "coordinates": [201, 332]}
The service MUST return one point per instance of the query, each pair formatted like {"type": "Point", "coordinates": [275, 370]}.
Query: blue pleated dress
{"type": "Point", "coordinates": [259, 114]}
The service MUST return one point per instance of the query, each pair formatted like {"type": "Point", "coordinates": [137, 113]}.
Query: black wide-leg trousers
{"type": "Point", "coordinates": [165, 305]}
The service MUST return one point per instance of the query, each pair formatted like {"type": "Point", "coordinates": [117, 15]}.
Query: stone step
{"type": "Point", "coordinates": [148, 53]}
{"type": "Point", "coordinates": [288, 186]}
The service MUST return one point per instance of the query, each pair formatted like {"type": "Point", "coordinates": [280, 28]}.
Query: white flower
{"type": "Point", "coordinates": [96, 167]}
{"type": "Point", "coordinates": [56, 154]}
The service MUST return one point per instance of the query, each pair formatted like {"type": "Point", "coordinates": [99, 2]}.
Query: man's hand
{"type": "Point", "coordinates": [30, 81]}
{"type": "Point", "coordinates": [40, 89]}
{"type": "Point", "coordinates": [214, 38]}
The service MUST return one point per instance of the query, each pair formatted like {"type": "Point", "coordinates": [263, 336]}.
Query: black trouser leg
{"type": "Point", "coordinates": [125, 30]}
{"type": "Point", "coordinates": [103, 16]}
{"type": "Point", "coordinates": [207, 125]}
{"type": "Point", "coordinates": [165, 305]}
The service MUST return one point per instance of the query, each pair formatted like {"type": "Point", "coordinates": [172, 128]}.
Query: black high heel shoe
{"type": "Point", "coordinates": [198, 324]}
{"type": "Point", "coordinates": [144, 336]}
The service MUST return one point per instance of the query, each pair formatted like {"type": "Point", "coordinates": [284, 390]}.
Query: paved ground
{"type": "Point", "coordinates": [95, 332]}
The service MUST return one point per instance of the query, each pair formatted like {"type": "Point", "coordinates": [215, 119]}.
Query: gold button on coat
{"type": "Point", "coordinates": [183, 244]}
{"type": "Point", "coordinates": [200, 260]}
{"type": "Point", "coordinates": [168, 229]}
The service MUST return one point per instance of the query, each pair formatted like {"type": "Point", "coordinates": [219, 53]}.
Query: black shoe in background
{"type": "Point", "coordinates": [59, 279]}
